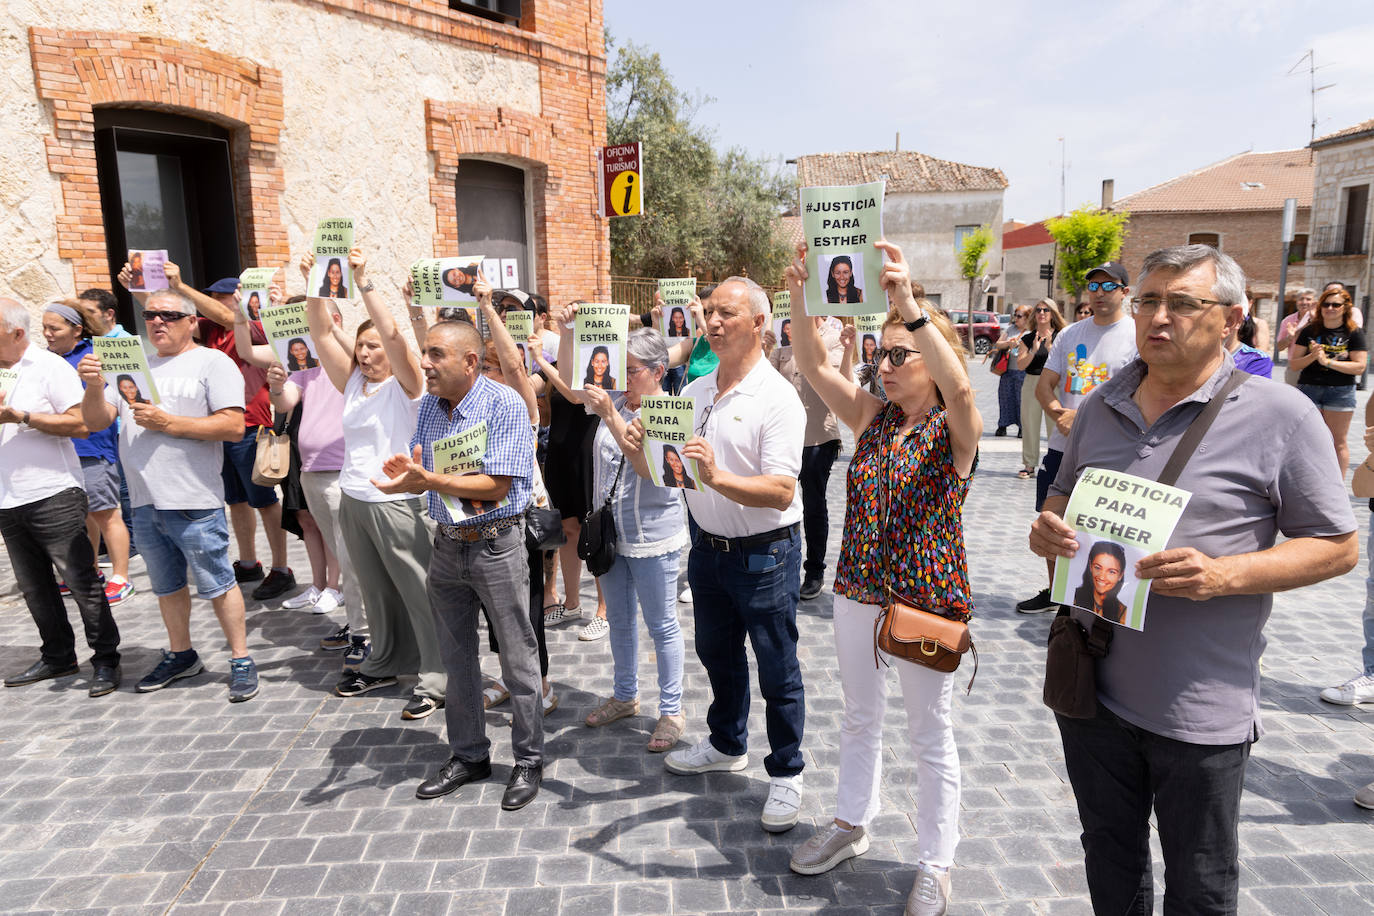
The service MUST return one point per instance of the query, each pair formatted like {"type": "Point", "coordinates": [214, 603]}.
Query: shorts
{"type": "Point", "coordinates": [101, 482]}
{"type": "Point", "coordinates": [1045, 474]}
{"type": "Point", "coordinates": [237, 473]}
{"type": "Point", "coordinates": [1335, 398]}
{"type": "Point", "coordinates": [171, 539]}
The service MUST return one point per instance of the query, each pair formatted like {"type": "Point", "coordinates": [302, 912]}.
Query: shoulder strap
{"type": "Point", "coordinates": [1192, 436]}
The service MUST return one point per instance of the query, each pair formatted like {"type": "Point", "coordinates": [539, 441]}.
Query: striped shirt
{"type": "Point", "coordinates": [510, 448]}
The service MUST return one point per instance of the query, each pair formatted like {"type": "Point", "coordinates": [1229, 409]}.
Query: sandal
{"type": "Point", "coordinates": [666, 734]}
{"type": "Point", "coordinates": [1024, 474]}
{"type": "Point", "coordinates": [550, 700]}
{"type": "Point", "coordinates": [494, 693]}
{"type": "Point", "coordinates": [611, 710]}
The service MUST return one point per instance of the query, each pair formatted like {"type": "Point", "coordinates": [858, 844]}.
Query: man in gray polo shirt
{"type": "Point", "coordinates": [1178, 703]}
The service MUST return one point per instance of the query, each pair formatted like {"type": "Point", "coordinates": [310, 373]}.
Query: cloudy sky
{"type": "Point", "coordinates": [1140, 91]}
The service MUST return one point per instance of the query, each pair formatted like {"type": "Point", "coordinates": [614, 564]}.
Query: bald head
{"type": "Point", "coordinates": [452, 359]}
{"type": "Point", "coordinates": [460, 335]}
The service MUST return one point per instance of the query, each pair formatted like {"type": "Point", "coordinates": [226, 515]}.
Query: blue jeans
{"type": "Point", "coordinates": [1119, 772]}
{"type": "Point", "coordinates": [650, 582]}
{"type": "Point", "coordinates": [750, 593]}
{"type": "Point", "coordinates": [1368, 651]}
{"type": "Point", "coordinates": [170, 539]}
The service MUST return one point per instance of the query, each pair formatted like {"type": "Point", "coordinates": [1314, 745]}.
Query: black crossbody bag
{"type": "Point", "coordinates": [1071, 663]}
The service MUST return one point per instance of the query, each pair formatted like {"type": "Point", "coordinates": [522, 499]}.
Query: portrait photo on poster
{"type": "Point", "coordinates": [252, 305]}
{"type": "Point", "coordinates": [132, 387]}
{"type": "Point", "coordinates": [457, 279]}
{"type": "Point", "coordinates": [296, 354]}
{"type": "Point", "coordinates": [1102, 578]}
{"type": "Point", "coordinates": [784, 332]}
{"type": "Point", "coordinates": [842, 274]}
{"type": "Point", "coordinates": [671, 466]}
{"type": "Point", "coordinates": [676, 323]}
{"type": "Point", "coordinates": [867, 348]}
{"type": "Point", "coordinates": [598, 374]}
{"type": "Point", "coordinates": [329, 278]}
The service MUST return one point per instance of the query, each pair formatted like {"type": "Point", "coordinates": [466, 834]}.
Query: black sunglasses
{"type": "Point", "coordinates": [167, 317]}
{"type": "Point", "coordinates": [895, 355]}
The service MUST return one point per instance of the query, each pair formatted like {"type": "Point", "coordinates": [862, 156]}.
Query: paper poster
{"type": "Point", "coordinates": [510, 274]}
{"type": "Point", "coordinates": [124, 364]}
{"type": "Point", "coordinates": [520, 325]}
{"type": "Point", "coordinates": [1119, 519]}
{"type": "Point", "coordinates": [288, 333]}
{"type": "Point", "coordinates": [491, 272]}
{"type": "Point", "coordinates": [442, 281]}
{"type": "Point", "coordinates": [782, 318]}
{"type": "Point", "coordinates": [840, 225]}
{"type": "Point", "coordinates": [147, 268]}
{"type": "Point", "coordinates": [8, 379]}
{"type": "Point", "coordinates": [253, 284]}
{"type": "Point", "coordinates": [667, 427]}
{"type": "Point", "coordinates": [677, 295]}
{"type": "Point", "coordinates": [462, 453]}
{"type": "Point", "coordinates": [868, 335]}
{"type": "Point", "coordinates": [599, 346]}
{"type": "Point", "coordinates": [331, 278]}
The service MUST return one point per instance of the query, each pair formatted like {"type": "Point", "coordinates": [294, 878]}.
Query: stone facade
{"type": "Point", "coordinates": [922, 224]}
{"type": "Point", "coordinates": [335, 107]}
{"type": "Point", "coordinates": [1341, 163]}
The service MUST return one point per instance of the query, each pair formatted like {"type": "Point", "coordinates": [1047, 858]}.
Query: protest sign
{"type": "Point", "coordinates": [491, 272]}
{"type": "Point", "coordinates": [124, 364]}
{"type": "Point", "coordinates": [668, 424]}
{"type": "Point", "coordinates": [782, 318]}
{"type": "Point", "coordinates": [677, 296]}
{"type": "Point", "coordinates": [253, 294]}
{"type": "Point", "coordinates": [147, 269]}
{"type": "Point", "coordinates": [462, 453]}
{"type": "Point", "coordinates": [510, 274]}
{"type": "Point", "coordinates": [443, 281]}
{"type": "Point", "coordinates": [868, 335]}
{"type": "Point", "coordinates": [599, 346]}
{"type": "Point", "coordinates": [840, 225]}
{"type": "Point", "coordinates": [520, 325]}
{"type": "Point", "coordinates": [331, 277]}
{"type": "Point", "coordinates": [1118, 518]}
{"type": "Point", "coordinates": [8, 378]}
{"type": "Point", "coordinates": [288, 333]}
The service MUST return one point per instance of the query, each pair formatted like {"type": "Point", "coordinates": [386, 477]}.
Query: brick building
{"type": "Point", "coordinates": [1235, 205]}
{"type": "Point", "coordinates": [223, 131]}
{"type": "Point", "coordinates": [1340, 248]}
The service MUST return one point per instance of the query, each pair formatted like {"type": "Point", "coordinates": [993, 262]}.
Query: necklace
{"type": "Point", "coordinates": [368, 394]}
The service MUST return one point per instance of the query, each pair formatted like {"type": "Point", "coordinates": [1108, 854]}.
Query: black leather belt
{"type": "Point", "coordinates": [726, 545]}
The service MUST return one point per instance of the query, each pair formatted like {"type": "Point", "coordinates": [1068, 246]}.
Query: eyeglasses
{"type": "Point", "coordinates": [635, 370]}
{"type": "Point", "coordinates": [166, 317]}
{"type": "Point", "coordinates": [894, 355]}
{"type": "Point", "coordinates": [1333, 305]}
{"type": "Point", "coordinates": [1047, 311]}
{"type": "Point", "coordinates": [1105, 285]}
{"type": "Point", "coordinates": [1179, 306]}
{"type": "Point", "coordinates": [705, 417]}
{"type": "Point", "coordinates": [1083, 312]}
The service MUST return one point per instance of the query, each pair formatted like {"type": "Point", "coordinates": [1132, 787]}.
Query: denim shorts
{"type": "Point", "coordinates": [172, 539]}
{"type": "Point", "coordinates": [1336, 398]}
{"type": "Point", "coordinates": [237, 473]}
{"type": "Point", "coordinates": [102, 483]}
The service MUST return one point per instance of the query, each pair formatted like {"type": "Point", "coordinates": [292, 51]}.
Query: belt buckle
{"type": "Point", "coordinates": [720, 544]}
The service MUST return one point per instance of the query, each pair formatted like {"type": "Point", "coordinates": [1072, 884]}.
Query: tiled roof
{"type": "Point", "coordinates": [1248, 181]}
{"type": "Point", "coordinates": [791, 230]}
{"type": "Point", "coordinates": [1350, 133]}
{"type": "Point", "coordinates": [905, 171]}
{"type": "Point", "coordinates": [1026, 236]}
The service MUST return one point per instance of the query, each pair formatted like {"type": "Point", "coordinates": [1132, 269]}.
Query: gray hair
{"type": "Point", "coordinates": [172, 297]}
{"type": "Point", "coordinates": [1304, 291]}
{"type": "Point", "coordinates": [649, 347]}
{"type": "Point", "coordinates": [758, 298]}
{"type": "Point", "coordinates": [14, 316]}
{"type": "Point", "coordinates": [1229, 288]}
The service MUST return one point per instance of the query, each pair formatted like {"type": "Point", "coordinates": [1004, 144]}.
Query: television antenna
{"type": "Point", "coordinates": [1310, 58]}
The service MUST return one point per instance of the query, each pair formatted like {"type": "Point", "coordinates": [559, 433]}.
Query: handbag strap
{"type": "Point", "coordinates": [1192, 436]}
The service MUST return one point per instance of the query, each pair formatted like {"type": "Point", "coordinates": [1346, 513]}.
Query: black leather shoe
{"type": "Point", "coordinates": [106, 680]}
{"type": "Point", "coordinates": [40, 671]}
{"type": "Point", "coordinates": [451, 775]}
{"type": "Point", "coordinates": [522, 788]}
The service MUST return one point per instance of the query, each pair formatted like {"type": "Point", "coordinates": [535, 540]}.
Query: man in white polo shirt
{"type": "Point", "coordinates": [43, 506]}
{"type": "Point", "coordinates": [745, 563]}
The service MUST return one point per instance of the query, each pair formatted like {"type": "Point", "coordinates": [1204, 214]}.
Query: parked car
{"type": "Point", "coordinates": [984, 331]}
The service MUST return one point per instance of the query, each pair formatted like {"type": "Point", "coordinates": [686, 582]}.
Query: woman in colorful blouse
{"type": "Point", "coordinates": [925, 442]}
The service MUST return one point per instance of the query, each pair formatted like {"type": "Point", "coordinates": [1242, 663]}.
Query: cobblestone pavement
{"type": "Point", "coordinates": [302, 802]}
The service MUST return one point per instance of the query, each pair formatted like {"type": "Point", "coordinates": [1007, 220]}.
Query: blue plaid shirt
{"type": "Point", "coordinates": [510, 443]}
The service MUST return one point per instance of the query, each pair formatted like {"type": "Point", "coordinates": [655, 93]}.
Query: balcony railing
{"type": "Point", "coordinates": [1338, 241]}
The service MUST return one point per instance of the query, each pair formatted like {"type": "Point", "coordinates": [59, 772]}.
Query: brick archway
{"type": "Point", "coordinates": [76, 72]}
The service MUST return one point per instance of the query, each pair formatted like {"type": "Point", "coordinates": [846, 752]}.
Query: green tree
{"type": "Point", "coordinates": [703, 212]}
{"type": "Point", "coordinates": [972, 261]}
{"type": "Point", "coordinates": [1084, 239]}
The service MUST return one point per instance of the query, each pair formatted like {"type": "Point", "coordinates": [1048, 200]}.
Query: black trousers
{"type": "Point", "coordinates": [52, 532]}
{"type": "Point", "coordinates": [817, 461]}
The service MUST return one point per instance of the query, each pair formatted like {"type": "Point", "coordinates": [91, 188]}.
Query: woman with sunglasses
{"type": "Point", "coordinates": [913, 458]}
{"type": "Point", "coordinates": [1084, 310]}
{"type": "Point", "coordinates": [1009, 382]}
{"type": "Point", "coordinates": [1331, 354]}
{"type": "Point", "coordinates": [1044, 326]}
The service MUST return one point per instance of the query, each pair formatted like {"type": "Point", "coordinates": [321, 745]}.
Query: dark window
{"type": "Point", "coordinates": [1205, 238]}
{"type": "Point", "coordinates": [491, 214]}
{"type": "Point", "coordinates": [1297, 249]}
{"type": "Point", "coordinates": [495, 10]}
{"type": "Point", "coordinates": [1356, 215]}
{"type": "Point", "coordinates": [166, 182]}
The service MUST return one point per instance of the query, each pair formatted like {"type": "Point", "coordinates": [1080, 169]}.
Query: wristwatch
{"type": "Point", "coordinates": [366, 286]}
{"type": "Point", "coordinates": [26, 417]}
{"type": "Point", "coordinates": [918, 323]}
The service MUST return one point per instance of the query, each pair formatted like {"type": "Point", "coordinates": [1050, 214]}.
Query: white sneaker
{"type": "Point", "coordinates": [930, 893]}
{"type": "Point", "coordinates": [783, 807]}
{"type": "Point", "coordinates": [703, 757]}
{"type": "Point", "coordinates": [1353, 692]}
{"type": "Point", "coordinates": [330, 600]}
{"type": "Point", "coordinates": [304, 599]}
{"type": "Point", "coordinates": [830, 846]}
{"type": "Point", "coordinates": [685, 596]}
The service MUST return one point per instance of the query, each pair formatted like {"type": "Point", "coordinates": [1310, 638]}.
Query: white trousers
{"type": "Point", "coordinates": [928, 696]}
{"type": "Point", "coordinates": [322, 495]}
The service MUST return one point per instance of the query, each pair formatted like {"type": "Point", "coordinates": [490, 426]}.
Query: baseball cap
{"type": "Point", "coordinates": [1112, 269]}
{"type": "Point", "coordinates": [227, 285]}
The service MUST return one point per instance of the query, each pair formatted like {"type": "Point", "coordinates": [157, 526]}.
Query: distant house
{"type": "Point", "coordinates": [1024, 249]}
{"type": "Point", "coordinates": [931, 205]}
{"type": "Point", "coordinates": [1235, 205]}
{"type": "Point", "coordinates": [1340, 245]}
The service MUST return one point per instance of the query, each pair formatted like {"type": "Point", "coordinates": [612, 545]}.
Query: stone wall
{"type": "Point", "coordinates": [923, 226]}
{"type": "Point", "coordinates": [1336, 168]}
{"type": "Point", "coordinates": [334, 108]}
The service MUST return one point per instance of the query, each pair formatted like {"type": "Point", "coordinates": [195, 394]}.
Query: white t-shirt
{"type": "Point", "coordinates": [755, 429]}
{"type": "Point", "coordinates": [375, 426]}
{"type": "Point", "coordinates": [169, 472]}
{"type": "Point", "coordinates": [1084, 355]}
{"type": "Point", "coordinates": [35, 465]}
